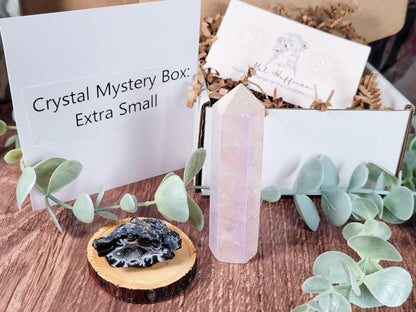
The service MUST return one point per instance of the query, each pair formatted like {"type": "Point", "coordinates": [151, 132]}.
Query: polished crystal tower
{"type": "Point", "coordinates": [236, 166]}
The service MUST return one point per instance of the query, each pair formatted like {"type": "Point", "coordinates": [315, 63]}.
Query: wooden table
{"type": "Point", "coordinates": [44, 270]}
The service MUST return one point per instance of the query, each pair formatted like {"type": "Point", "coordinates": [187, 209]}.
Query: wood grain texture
{"type": "Point", "coordinates": [44, 270]}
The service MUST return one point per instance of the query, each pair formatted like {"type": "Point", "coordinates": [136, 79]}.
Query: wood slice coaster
{"type": "Point", "coordinates": [144, 285]}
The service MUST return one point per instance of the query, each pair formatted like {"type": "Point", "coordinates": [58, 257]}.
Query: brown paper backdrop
{"type": "Point", "coordinates": [374, 19]}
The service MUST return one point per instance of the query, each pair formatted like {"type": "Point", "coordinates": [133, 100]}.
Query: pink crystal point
{"type": "Point", "coordinates": [236, 166]}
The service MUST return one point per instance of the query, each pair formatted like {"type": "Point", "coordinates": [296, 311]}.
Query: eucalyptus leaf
{"type": "Point", "coordinates": [316, 284]}
{"type": "Point", "coordinates": [167, 176]}
{"type": "Point", "coordinates": [377, 200]}
{"type": "Point", "coordinates": [13, 156]}
{"type": "Point", "coordinates": [359, 177]}
{"type": "Point", "coordinates": [374, 248]}
{"type": "Point", "coordinates": [352, 229]}
{"type": "Point", "coordinates": [194, 164]}
{"type": "Point", "coordinates": [370, 226]}
{"type": "Point", "coordinates": [128, 203]}
{"type": "Point", "coordinates": [331, 177]}
{"type": "Point", "coordinates": [302, 308]}
{"type": "Point", "coordinates": [365, 299]}
{"type": "Point", "coordinates": [339, 303]}
{"type": "Point", "coordinates": [369, 266]}
{"type": "Point", "coordinates": [270, 193]}
{"type": "Point", "coordinates": [196, 217]}
{"type": "Point", "coordinates": [310, 176]}
{"type": "Point", "coordinates": [52, 215]}
{"type": "Point", "coordinates": [83, 208]}
{"type": "Point", "coordinates": [329, 266]}
{"type": "Point", "coordinates": [351, 279]}
{"type": "Point", "coordinates": [407, 171]}
{"type": "Point", "coordinates": [391, 218]}
{"type": "Point", "coordinates": [375, 171]}
{"type": "Point", "coordinates": [364, 208]}
{"type": "Point", "coordinates": [24, 185]}
{"type": "Point", "coordinates": [64, 174]}
{"type": "Point", "coordinates": [410, 157]}
{"type": "Point", "coordinates": [336, 205]}
{"type": "Point", "coordinates": [171, 199]}
{"type": "Point", "coordinates": [100, 197]}
{"type": "Point", "coordinates": [390, 286]}
{"type": "Point", "coordinates": [10, 140]}
{"type": "Point", "coordinates": [381, 182]}
{"type": "Point", "coordinates": [400, 202]}
{"type": "Point", "coordinates": [3, 127]}
{"type": "Point", "coordinates": [108, 215]}
{"type": "Point", "coordinates": [307, 210]}
{"type": "Point", "coordinates": [315, 306]}
{"type": "Point", "coordinates": [44, 170]}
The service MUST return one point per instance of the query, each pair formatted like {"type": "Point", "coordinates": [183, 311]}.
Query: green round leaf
{"type": "Point", "coordinates": [128, 203]}
{"type": "Point", "coordinates": [307, 210]}
{"type": "Point", "coordinates": [64, 174]}
{"type": "Point", "coordinates": [359, 177]}
{"type": "Point", "coordinates": [270, 193]}
{"type": "Point", "coordinates": [83, 208]}
{"type": "Point", "coordinates": [377, 200]}
{"type": "Point", "coordinates": [390, 286]}
{"type": "Point", "coordinates": [52, 215]}
{"type": "Point", "coordinates": [10, 140]}
{"type": "Point", "coordinates": [3, 127]}
{"type": "Point", "coordinates": [400, 202]}
{"type": "Point", "coordinates": [375, 171]}
{"type": "Point", "coordinates": [167, 176]}
{"type": "Point", "coordinates": [196, 217]}
{"type": "Point", "coordinates": [171, 199]}
{"type": "Point", "coordinates": [337, 206]}
{"type": "Point", "coordinates": [352, 280]}
{"type": "Point", "coordinates": [364, 208]}
{"type": "Point", "coordinates": [13, 156]}
{"type": "Point", "coordinates": [331, 177]}
{"type": "Point", "coordinates": [316, 284]}
{"type": "Point", "coordinates": [302, 308]}
{"type": "Point", "coordinates": [381, 182]}
{"type": "Point", "coordinates": [339, 303]}
{"type": "Point", "coordinates": [44, 170]}
{"type": "Point", "coordinates": [194, 164]}
{"type": "Point", "coordinates": [374, 248]}
{"type": "Point", "coordinates": [365, 300]}
{"type": "Point", "coordinates": [310, 176]}
{"type": "Point", "coordinates": [24, 185]}
{"type": "Point", "coordinates": [329, 266]}
{"type": "Point", "coordinates": [352, 229]}
{"type": "Point", "coordinates": [100, 196]}
{"type": "Point", "coordinates": [391, 218]}
{"type": "Point", "coordinates": [108, 215]}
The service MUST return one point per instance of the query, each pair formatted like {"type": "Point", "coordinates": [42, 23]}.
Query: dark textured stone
{"type": "Point", "coordinates": [138, 243]}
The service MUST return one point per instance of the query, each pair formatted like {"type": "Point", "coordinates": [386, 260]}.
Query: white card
{"type": "Point", "coordinates": [288, 56]}
{"type": "Point", "coordinates": [106, 87]}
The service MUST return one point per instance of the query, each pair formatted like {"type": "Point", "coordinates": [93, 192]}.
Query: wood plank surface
{"type": "Point", "coordinates": [44, 270]}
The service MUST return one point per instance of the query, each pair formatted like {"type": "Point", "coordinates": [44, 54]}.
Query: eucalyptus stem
{"type": "Point", "coordinates": [353, 191]}
{"type": "Point", "coordinates": [53, 198]}
{"type": "Point", "coordinates": [143, 204]}
{"type": "Point", "coordinates": [12, 127]}
{"type": "Point", "coordinates": [197, 187]}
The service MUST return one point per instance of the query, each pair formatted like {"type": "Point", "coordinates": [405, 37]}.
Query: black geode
{"type": "Point", "coordinates": [138, 243]}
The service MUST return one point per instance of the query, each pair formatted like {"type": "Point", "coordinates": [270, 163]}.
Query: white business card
{"type": "Point", "coordinates": [288, 56]}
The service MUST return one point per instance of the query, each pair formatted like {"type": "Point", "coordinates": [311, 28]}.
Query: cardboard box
{"type": "Point", "coordinates": [373, 20]}
{"type": "Point", "coordinates": [348, 137]}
